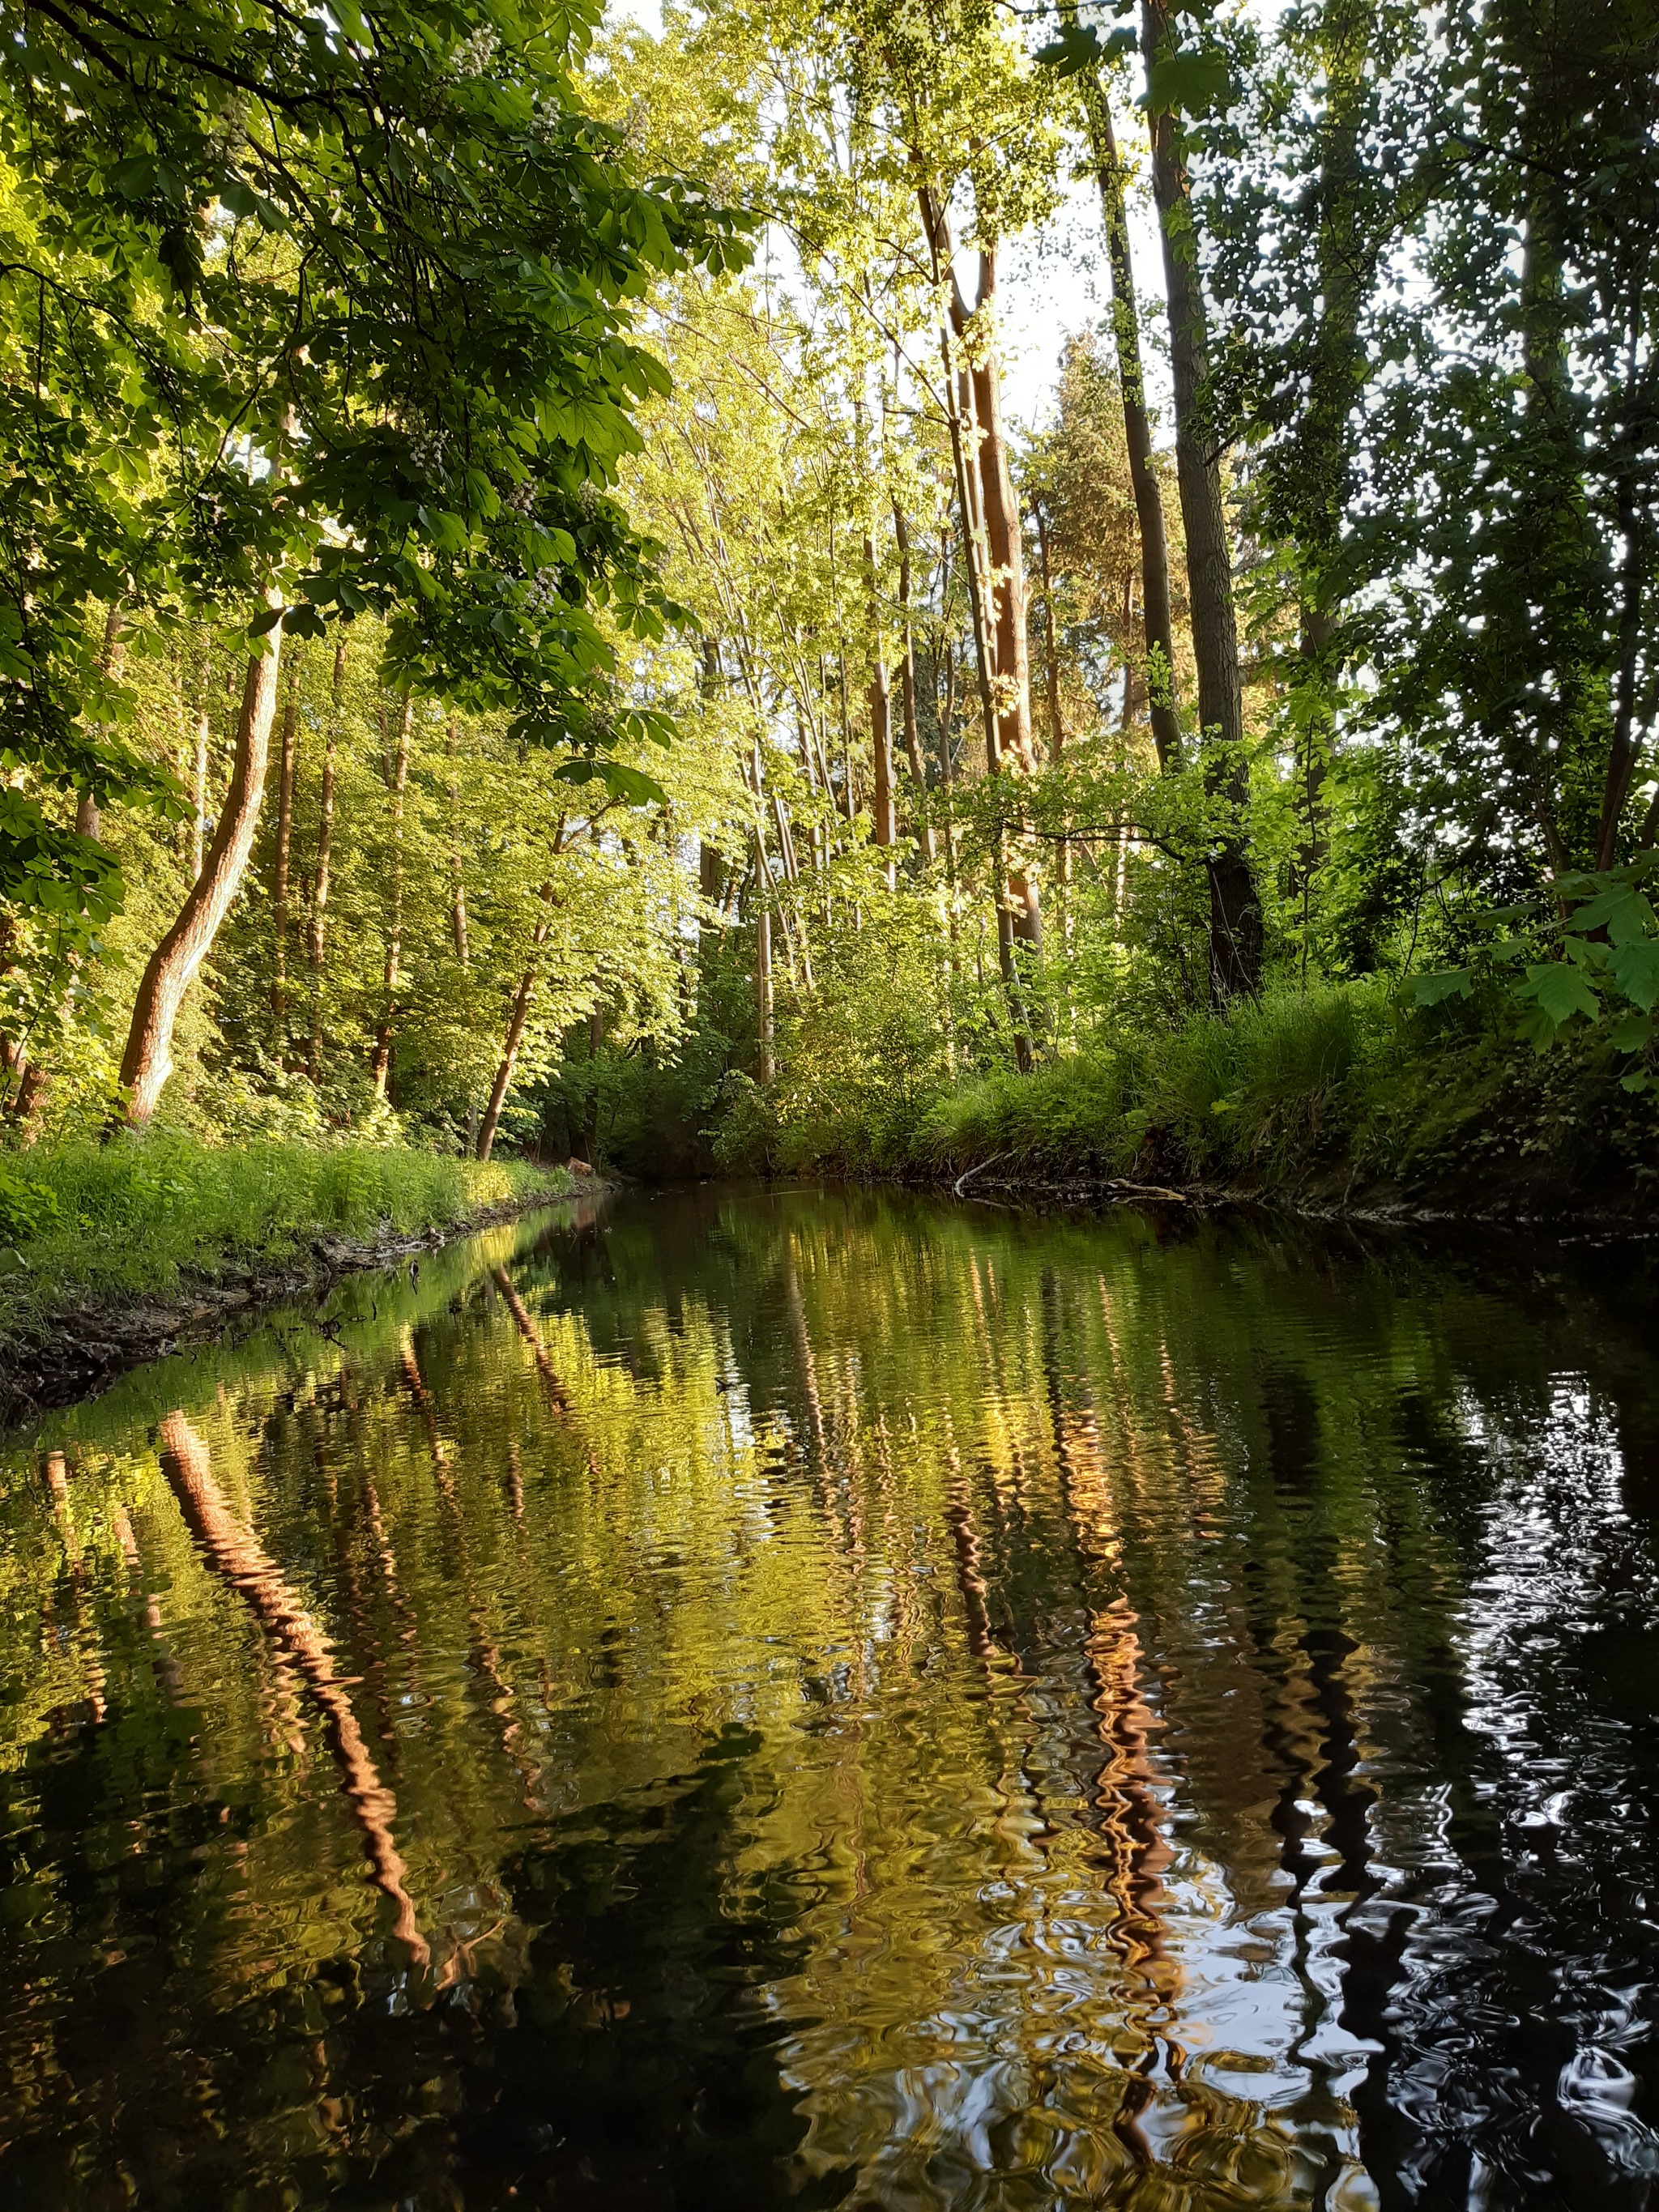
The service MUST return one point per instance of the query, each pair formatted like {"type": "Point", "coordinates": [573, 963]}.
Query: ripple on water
{"type": "Point", "coordinates": [849, 1702]}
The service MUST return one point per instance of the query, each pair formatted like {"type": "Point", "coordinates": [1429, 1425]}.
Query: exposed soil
{"type": "Point", "coordinates": [85, 1343]}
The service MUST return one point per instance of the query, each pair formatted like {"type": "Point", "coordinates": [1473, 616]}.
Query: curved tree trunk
{"type": "Point", "coordinates": [147, 1061]}
{"type": "Point", "coordinates": [1236, 933]}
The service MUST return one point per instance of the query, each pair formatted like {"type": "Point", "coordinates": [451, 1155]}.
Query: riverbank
{"type": "Point", "coordinates": [1338, 1102]}
{"type": "Point", "coordinates": [113, 1254]}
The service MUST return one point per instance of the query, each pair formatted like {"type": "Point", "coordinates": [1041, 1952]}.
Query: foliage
{"type": "Point", "coordinates": [453, 329]}
{"type": "Point", "coordinates": [83, 1220]}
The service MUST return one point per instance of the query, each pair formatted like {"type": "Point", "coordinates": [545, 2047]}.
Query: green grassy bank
{"type": "Point", "coordinates": [1337, 1096]}
{"type": "Point", "coordinates": [82, 1221]}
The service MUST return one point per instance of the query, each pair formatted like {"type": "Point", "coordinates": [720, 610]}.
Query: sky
{"type": "Point", "coordinates": [1052, 283]}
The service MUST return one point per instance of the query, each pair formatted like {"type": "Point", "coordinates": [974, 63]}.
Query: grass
{"type": "Point", "coordinates": [82, 1220]}
{"type": "Point", "coordinates": [1342, 1094]}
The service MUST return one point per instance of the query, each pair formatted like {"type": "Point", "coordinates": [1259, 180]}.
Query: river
{"type": "Point", "coordinates": [727, 1699]}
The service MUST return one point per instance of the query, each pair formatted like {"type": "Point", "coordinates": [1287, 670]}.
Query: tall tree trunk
{"type": "Point", "coordinates": [203, 732]}
{"type": "Point", "coordinates": [317, 937]}
{"type": "Point", "coordinates": [1056, 721]}
{"type": "Point", "coordinates": [457, 928]}
{"type": "Point", "coordinates": [1015, 895]}
{"type": "Point", "coordinates": [147, 1061]}
{"type": "Point", "coordinates": [590, 1131]}
{"type": "Point", "coordinates": [515, 1029]}
{"type": "Point", "coordinates": [1345, 27]}
{"type": "Point", "coordinates": [882, 826]}
{"type": "Point", "coordinates": [380, 1065]}
{"type": "Point", "coordinates": [1235, 929]}
{"type": "Point", "coordinates": [284, 840]}
{"type": "Point", "coordinates": [110, 660]}
{"type": "Point", "coordinates": [1005, 547]}
{"type": "Point", "coordinates": [908, 692]}
{"type": "Point", "coordinates": [766, 1063]}
{"type": "Point", "coordinates": [1137, 424]}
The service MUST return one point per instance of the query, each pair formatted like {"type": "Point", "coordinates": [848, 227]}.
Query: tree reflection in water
{"type": "Point", "coordinates": [846, 1701]}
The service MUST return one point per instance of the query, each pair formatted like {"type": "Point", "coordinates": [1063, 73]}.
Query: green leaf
{"type": "Point", "coordinates": [1446, 983]}
{"type": "Point", "coordinates": [1075, 50]}
{"type": "Point", "coordinates": [1631, 1033]}
{"type": "Point", "coordinates": [1559, 992]}
{"type": "Point", "coordinates": [1186, 84]}
{"type": "Point", "coordinates": [624, 782]}
{"type": "Point", "coordinates": [1621, 910]}
{"type": "Point", "coordinates": [1635, 968]}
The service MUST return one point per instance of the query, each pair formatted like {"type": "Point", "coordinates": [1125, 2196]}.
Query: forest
{"type": "Point", "coordinates": [530, 626]}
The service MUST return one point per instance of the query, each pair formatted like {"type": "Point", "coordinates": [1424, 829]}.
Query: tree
{"type": "Point", "coordinates": [369, 288]}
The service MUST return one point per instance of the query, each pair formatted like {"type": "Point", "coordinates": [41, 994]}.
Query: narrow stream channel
{"type": "Point", "coordinates": [732, 1700]}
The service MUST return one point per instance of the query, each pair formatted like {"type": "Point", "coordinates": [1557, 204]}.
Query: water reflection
{"type": "Point", "coordinates": [750, 1700]}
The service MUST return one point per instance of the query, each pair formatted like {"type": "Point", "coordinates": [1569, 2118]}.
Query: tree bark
{"type": "Point", "coordinates": [147, 1061]}
{"type": "Point", "coordinates": [908, 692]}
{"type": "Point", "coordinates": [381, 1064]}
{"type": "Point", "coordinates": [1014, 894]}
{"type": "Point", "coordinates": [1137, 426]}
{"type": "Point", "coordinates": [882, 827]}
{"type": "Point", "coordinates": [317, 937]}
{"type": "Point", "coordinates": [284, 839]}
{"type": "Point", "coordinates": [765, 1062]}
{"type": "Point", "coordinates": [1235, 929]}
{"type": "Point", "coordinates": [458, 928]}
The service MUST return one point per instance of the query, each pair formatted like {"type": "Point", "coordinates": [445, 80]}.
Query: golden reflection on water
{"type": "Point", "coordinates": [752, 1699]}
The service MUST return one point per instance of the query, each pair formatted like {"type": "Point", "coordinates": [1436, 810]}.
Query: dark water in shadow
{"type": "Point", "coordinates": [754, 1701]}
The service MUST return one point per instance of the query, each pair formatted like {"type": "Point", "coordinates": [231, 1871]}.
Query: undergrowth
{"type": "Point", "coordinates": [82, 1219]}
{"type": "Point", "coordinates": [1339, 1092]}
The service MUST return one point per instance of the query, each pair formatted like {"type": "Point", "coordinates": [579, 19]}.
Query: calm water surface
{"type": "Point", "coordinates": [743, 1701]}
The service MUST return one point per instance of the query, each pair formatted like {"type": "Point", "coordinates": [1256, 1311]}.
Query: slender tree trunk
{"type": "Point", "coordinates": [380, 1065]}
{"type": "Point", "coordinates": [1235, 930]}
{"type": "Point", "coordinates": [284, 840]}
{"type": "Point", "coordinates": [1005, 556]}
{"type": "Point", "coordinates": [590, 1132]}
{"type": "Point", "coordinates": [457, 928]}
{"type": "Point", "coordinates": [1056, 721]}
{"type": "Point", "coordinates": [515, 1029]}
{"type": "Point", "coordinates": [881, 721]}
{"type": "Point", "coordinates": [317, 940]}
{"type": "Point", "coordinates": [964, 451]}
{"type": "Point", "coordinates": [1137, 424]}
{"type": "Point", "coordinates": [147, 1061]}
{"type": "Point", "coordinates": [766, 1063]}
{"type": "Point", "coordinates": [110, 660]}
{"type": "Point", "coordinates": [198, 820]}
{"type": "Point", "coordinates": [1345, 32]}
{"type": "Point", "coordinates": [908, 692]}
{"type": "Point", "coordinates": [1017, 910]}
